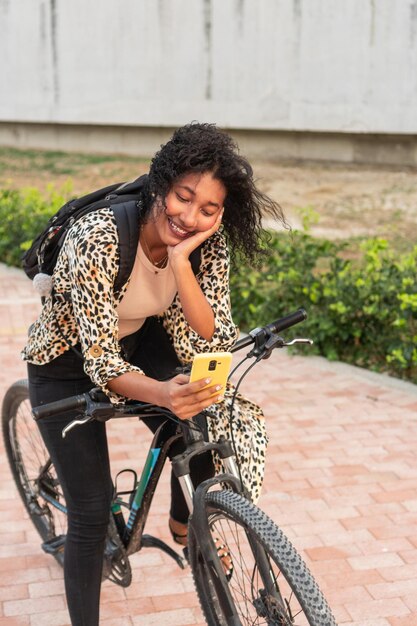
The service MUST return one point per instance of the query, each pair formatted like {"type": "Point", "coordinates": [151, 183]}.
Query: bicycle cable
{"type": "Point", "coordinates": [245, 358]}
{"type": "Point", "coordinates": [189, 423]}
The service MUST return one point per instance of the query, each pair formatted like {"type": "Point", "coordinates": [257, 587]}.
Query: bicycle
{"type": "Point", "coordinates": [269, 582]}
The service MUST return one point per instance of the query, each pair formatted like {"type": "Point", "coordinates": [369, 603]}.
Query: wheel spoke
{"type": "Point", "coordinates": [30, 467]}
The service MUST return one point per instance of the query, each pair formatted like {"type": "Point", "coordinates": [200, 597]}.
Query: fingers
{"type": "Point", "coordinates": [195, 396]}
{"type": "Point", "coordinates": [187, 399]}
{"type": "Point", "coordinates": [201, 390]}
{"type": "Point", "coordinates": [216, 225]}
{"type": "Point", "coordinates": [190, 410]}
{"type": "Point", "coordinates": [208, 395]}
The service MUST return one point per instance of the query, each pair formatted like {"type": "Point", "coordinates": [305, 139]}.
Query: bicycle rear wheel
{"type": "Point", "coordinates": [270, 583]}
{"type": "Point", "coordinates": [32, 470]}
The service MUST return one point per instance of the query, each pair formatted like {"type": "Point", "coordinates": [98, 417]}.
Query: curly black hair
{"type": "Point", "coordinates": [201, 147]}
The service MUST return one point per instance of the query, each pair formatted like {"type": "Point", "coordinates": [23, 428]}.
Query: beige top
{"type": "Point", "coordinates": [150, 292]}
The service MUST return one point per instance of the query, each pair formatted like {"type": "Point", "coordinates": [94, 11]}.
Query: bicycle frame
{"type": "Point", "coordinates": [131, 531]}
{"type": "Point", "coordinates": [145, 489]}
{"type": "Point", "coordinates": [158, 451]}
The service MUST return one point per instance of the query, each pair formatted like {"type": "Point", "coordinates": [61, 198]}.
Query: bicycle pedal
{"type": "Point", "coordinates": [54, 545]}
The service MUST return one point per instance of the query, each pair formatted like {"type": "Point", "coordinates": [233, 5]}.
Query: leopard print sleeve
{"type": "Point", "coordinates": [213, 277]}
{"type": "Point", "coordinates": [92, 260]}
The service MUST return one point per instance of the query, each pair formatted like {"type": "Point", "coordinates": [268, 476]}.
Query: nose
{"type": "Point", "coordinates": [189, 217]}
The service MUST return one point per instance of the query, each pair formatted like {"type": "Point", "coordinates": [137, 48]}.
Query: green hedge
{"type": "Point", "coordinates": [23, 214]}
{"type": "Point", "coordinates": [361, 298]}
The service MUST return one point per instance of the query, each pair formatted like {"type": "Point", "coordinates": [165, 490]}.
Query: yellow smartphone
{"type": "Point", "coordinates": [213, 365]}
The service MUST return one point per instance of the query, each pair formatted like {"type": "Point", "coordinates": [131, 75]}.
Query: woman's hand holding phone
{"type": "Point", "coordinates": [186, 396]}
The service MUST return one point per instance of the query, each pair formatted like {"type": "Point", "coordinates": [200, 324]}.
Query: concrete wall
{"type": "Point", "coordinates": [324, 66]}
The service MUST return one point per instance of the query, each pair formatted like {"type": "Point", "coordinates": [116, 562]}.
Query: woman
{"type": "Point", "coordinates": [199, 193]}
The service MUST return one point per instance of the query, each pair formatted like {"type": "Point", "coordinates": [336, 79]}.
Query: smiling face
{"type": "Point", "coordinates": [192, 205]}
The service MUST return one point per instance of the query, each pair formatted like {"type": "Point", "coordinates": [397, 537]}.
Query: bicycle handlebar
{"type": "Point", "coordinates": [79, 403]}
{"type": "Point", "coordinates": [60, 406]}
{"type": "Point", "coordinates": [286, 322]}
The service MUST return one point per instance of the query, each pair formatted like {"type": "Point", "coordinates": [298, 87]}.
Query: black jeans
{"type": "Point", "coordinates": [82, 464]}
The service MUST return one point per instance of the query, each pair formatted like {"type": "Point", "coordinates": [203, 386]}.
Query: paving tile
{"type": "Point", "coordinates": [397, 589]}
{"type": "Point", "coordinates": [129, 608]}
{"type": "Point", "coordinates": [410, 600]}
{"type": "Point", "coordinates": [375, 561]}
{"type": "Point", "coordinates": [29, 606]}
{"type": "Point", "coordinates": [13, 592]}
{"type": "Point", "coordinates": [393, 607]}
{"type": "Point", "coordinates": [50, 618]}
{"type": "Point", "coordinates": [24, 575]}
{"type": "Point", "coordinates": [176, 617]}
{"type": "Point", "coordinates": [405, 620]}
{"type": "Point", "coordinates": [15, 621]}
{"type": "Point", "coordinates": [370, 622]}
{"type": "Point", "coordinates": [45, 589]}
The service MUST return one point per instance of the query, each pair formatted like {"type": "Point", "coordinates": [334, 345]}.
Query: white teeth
{"type": "Point", "coordinates": [178, 229]}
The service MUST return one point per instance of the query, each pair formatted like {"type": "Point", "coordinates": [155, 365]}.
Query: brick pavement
{"type": "Point", "coordinates": [341, 481]}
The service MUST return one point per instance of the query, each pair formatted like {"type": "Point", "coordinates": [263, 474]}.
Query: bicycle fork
{"type": "Point", "coordinates": [269, 601]}
{"type": "Point", "coordinates": [195, 446]}
{"type": "Point", "coordinates": [196, 501]}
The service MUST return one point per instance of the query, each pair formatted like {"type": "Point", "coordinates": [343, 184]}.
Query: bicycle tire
{"type": "Point", "coordinates": [293, 597]}
{"type": "Point", "coordinates": [28, 457]}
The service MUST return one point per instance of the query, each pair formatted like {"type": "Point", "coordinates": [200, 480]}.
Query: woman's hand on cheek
{"type": "Point", "coordinates": [186, 247]}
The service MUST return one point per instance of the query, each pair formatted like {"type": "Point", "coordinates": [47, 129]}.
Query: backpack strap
{"type": "Point", "coordinates": [127, 221]}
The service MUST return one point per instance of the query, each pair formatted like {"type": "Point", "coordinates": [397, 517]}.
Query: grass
{"type": "Point", "coordinates": [54, 162]}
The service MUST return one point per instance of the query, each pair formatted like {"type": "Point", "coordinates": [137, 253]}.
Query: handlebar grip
{"type": "Point", "coordinates": [60, 406]}
{"type": "Point", "coordinates": [285, 322]}
{"type": "Point", "coordinates": [289, 320]}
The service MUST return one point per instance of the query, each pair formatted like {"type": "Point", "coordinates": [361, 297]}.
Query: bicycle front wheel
{"type": "Point", "coordinates": [32, 470]}
{"type": "Point", "coordinates": [269, 584]}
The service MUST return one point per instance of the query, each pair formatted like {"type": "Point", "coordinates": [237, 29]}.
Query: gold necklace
{"type": "Point", "coordinates": [158, 265]}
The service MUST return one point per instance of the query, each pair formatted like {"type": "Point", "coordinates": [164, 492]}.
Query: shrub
{"type": "Point", "coordinates": [23, 214]}
{"type": "Point", "coordinates": [361, 310]}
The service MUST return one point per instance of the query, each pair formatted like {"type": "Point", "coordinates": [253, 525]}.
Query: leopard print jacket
{"type": "Point", "coordinates": [83, 311]}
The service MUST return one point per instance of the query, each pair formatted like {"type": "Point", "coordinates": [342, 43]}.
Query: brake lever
{"type": "Point", "coordinates": [99, 411]}
{"type": "Point", "coordinates": [79, 422]}
{"type": "Point", "coordinates": [298, 340]}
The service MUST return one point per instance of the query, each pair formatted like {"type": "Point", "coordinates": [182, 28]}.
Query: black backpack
{"type": "Point", "coordinates": [125, 201]}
